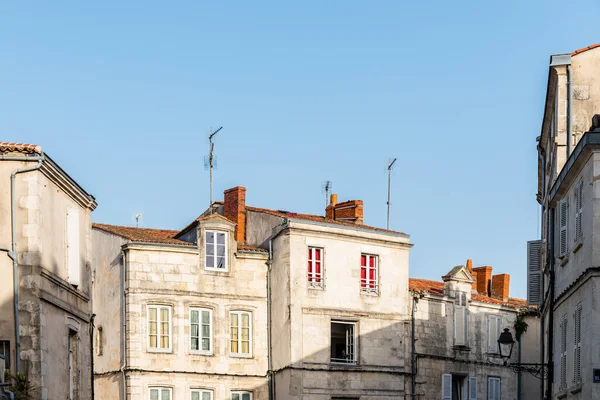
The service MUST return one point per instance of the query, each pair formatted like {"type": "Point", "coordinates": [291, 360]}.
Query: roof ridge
{"type": "Point", "coordinates": [132, 227]}
{"type": "Point", "coordinates": [584, 49]}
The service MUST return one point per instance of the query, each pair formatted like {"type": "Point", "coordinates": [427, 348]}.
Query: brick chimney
{"type": "Point", "coordinates": [469, 267]}
{"type": "Point", "coordinates": [234, 210]}
{"type": "Point", "coordinates": [348, 211]}
{"type": "Point", "coordinates": [500, 285]}
{"type": "Point", "coordinates": [483, 280]}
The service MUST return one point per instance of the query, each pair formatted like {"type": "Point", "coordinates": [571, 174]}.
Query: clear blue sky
{"type": "Point", "coordinates": [122, 96]}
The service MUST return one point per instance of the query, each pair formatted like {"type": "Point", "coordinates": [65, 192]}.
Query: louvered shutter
{"type": "Point", "coordinates": [577, 346]}
{"type": "Point", "coordinates": [491, 389]}
{"type": "Point", "coordinates": [578, 210]}
{"type": "Point", "coordinates": [472, 388]}
{"type": "Point", "coordinates": [494, 328]}
{"type": "Point", "coordinates": [446, 387]}
{"type": "Point", "coordinates": [460, 325]}
{"type": "Point", "coordinates": [73, 257]}
{"type": "Point", "coordinates": [563, 219]}
{"type": "Point", "coordinates": [534, 272]}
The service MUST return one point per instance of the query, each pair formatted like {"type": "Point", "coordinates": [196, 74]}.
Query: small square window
{"type": "Point", "coordinates": [241, 396]}
{"type": "Point", "coordinates": [343, 342]}
{"type": "Point", "coordinates": [202, 394]}
{"type": "Point", "coordinates": [216, 251]}
{"type": "Point", "coordinates": [160, 393]}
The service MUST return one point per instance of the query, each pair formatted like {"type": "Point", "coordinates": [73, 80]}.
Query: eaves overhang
{"type": "Point", "coordinates": [589, 142]}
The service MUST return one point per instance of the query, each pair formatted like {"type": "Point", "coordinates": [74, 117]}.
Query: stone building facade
{"type": "Point", "coordinates": [563, 263]}
{"type": "Point", "coordinates": [45, 229]}
{"type": "Point", "coordinates": [457, 324]}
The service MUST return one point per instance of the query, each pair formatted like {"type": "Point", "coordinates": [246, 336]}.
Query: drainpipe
{"type": "Point", "coordinates": [12, 253]}
{"type": "Point", "coordinates": [270, 374]}
{"type": "Point", "coordinates": [569, 109]}
{"type": "Point", "coordinates": [92, 351]}
{"type": "Point", "coordinates": [550, 365]}
{"type": "Point", "coordinates": [519, 377]}
{"type": "Point", "coordinates": [413, 377]}
{"type": "Point", "coordinates": [123, 326]}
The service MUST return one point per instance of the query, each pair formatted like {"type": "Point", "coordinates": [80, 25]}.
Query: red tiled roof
{"type": "Point", "coordinates": [317, 218]}
{"type": "Point", "coordinates": [585, 49]}
{"type": "Point", "coordinates": [149, 235]}
{"type": "Point", "coordinates": [437, 288]}
{"type": "Point", "coordinates": [9, 147]}
{"type": "Point", "coordinates": [142, 234]}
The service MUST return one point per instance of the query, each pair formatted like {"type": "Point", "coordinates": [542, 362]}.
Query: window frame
{"type": "Point", "coordinates": [5, 345]}
{"type": "Point", "coordinates": [159, 329]}
{"type": "Point", "coordinates": [339, 361]}
{"type": "Point", "coordinates": [374, 291]}
{"type": "Point", "coordinates": [210, 351]}
{"type": "Point", "coordinates": [497, 384]}
{"type": "Point", "coordinates": [160, 389]}
{"type": "Point", "coordinates": [577, 344]}
{"type": "Point", "coordinates": [315, 280]}
{"type": "Point", "coordinates": [578, 231]}
{"type": "Point", "coordinates": [239, 314]}
{"type": "Point", "coordinates": [201, 391]}
{"type": "Point", "coordinates": [215, 245]}
{"type": "Point", "coordinates": [563, 352]}
{"type": "Point", "coordinates": [241, 393]}
{"type": "Point", "coordinates": [461, 303]}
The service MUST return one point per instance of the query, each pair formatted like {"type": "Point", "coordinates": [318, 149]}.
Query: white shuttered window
{"type": "Point", "coordinates": [578, 210]}
{"type": "Point", "coordinates": [73, 261]}
{"type": "Point", "coordinates": [447, 387]}
{"type": "Point", "coordinates": [494, 388]}
{"type": "Point", "coordinates": [534, 272]}
{"type": "Point", "coordinates": [472, 388]}
{"type": "Point", "coordinates": [494, 330]}
{"type": "Point", "coordinates": [577, 345]}
{"type": "Point", "coordinates": [460, 319]}
{"type": "Point", "coordinates": [563, 352]}
{"type": "Point", "coordinates": [563, 225]}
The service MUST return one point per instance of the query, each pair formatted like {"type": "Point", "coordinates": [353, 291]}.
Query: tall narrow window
{"type": "Point", "coordinates": [241, 396]}
{"type": "Point", "coordinates": [159, 328]}
{"type": "Point", "coordinates": [315, 267]}
{"type": "Point", "coordinates": [494, 330]}
{"type": "Point", "coordinates": [241, 333]}
{"type": "Point", "coordinates": [161, 393]}
{"type": "Point", "coordinates": [72, 251]}
{"type": "Point", "coordinates": [5, 351]}
{"type": "Point", "coordinates": [73, 366]}
{"type": "Point", "coordinates": [201, 394]}
{"type": "Point", "coordinates": [563, 352]}
{"type": "Point", "coordinates": [216, 251]}
{"type": "Point", "coordinates": [494, 388]}
{"type": "Point", "coordinates": [460, 319]}
{"type": "Point", "coordinates": [578, 210]}
{"type": "Point", "coordinates": [563, 221]}
{"type": "Point", "coordinates": [343, 342]}
{"type": "Point", "coordinates": [201, 330]}
{"type": "Point", "coordinates": [577, 345]}
{"type": "Point", "coordinates": [369, 274]}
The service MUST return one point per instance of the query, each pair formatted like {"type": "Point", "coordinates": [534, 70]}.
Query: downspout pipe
{"type": "Point", "coordinates": [13, 251]}
{"type": "Point", "coordinates": [550, 365]}
{"type": "Point", "coordinates": [569, 110]}
{"type": "Point", "coordinates": [413, 369]}
{"type": "Point", "coordinates": [123, 325]}
{"type": "Point", "coordinates": [92, 352]}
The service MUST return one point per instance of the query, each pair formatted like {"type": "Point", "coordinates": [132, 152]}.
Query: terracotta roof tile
{"type": "Point", "coordinates": [245, 247]}
{"type": "Point", "coordinates": [437, 288]}
{"type": "Point", "coordinates": [142, 234]}
{"type": "Point", "coordinates": [585, 49]}
{"type": "Point", "coordinates": [317, 218]}
{"type": "Point", "coordinates": [9, 147]}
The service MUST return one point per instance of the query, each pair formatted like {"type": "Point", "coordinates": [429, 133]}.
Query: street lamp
{"type": "Point", "coordinates": [505, 347]}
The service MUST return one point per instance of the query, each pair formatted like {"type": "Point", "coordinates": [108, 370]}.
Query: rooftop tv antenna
{"type": "Point", "coordinates": [389, 168]}
{"type": "Point", "coordinates": [211, 161]}
{"type": "Point", "coordinates": [326, 188]}
{"type": "Point", "coordinates": [137, 220]}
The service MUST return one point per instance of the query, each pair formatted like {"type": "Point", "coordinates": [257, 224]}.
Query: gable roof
{"type": "Point", "coordinates": [460, 273]}
{"type": "Point", "coordinates": [10, 147]}
{"type": "Point", "coordinates": [579, 51]}
{"type": "Point", "coordinates": [436, 288]}
{"type": "Point", "coordinates": [318, 218]}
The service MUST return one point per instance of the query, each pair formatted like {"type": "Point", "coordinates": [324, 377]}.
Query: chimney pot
{"type": "Point", "coordinates": [333, 199]}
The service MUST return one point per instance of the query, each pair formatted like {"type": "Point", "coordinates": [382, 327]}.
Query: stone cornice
{"type": "Point", "coordinates": [61, 179]}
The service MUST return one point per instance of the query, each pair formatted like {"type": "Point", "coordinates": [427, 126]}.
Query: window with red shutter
{"type": "Point", "coordinates": [315, 267]}
{"type": "Point", "coordinates": [369, 274]}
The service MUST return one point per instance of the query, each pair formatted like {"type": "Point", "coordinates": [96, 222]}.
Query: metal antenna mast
{"type": "Point", "coordinates": [325, 188]}
{"type": "Point", "coordinates": [211, 161]}
{"type": "Point", "coordinates": [389, 181]}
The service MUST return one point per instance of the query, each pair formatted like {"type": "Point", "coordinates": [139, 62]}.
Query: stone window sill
{"type": "Point", "coordinates": [160, 351]}
{"type": "Point", "coordinates": [578, 245]}
{"type": "Point", "coordinates": [239, 355]}
{"type": "Point", "coordinates": [562, 394]}
{"type": "Point", "coordinates": [576, 388]}
{"type": "Point", "coordinates": [202, 353]}
{"type": "Point", "coordinates": [461, 347]}
{"type": "Point", "coordinates": [564, 261]}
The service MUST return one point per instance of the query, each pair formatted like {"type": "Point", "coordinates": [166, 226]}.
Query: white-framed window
{"type": "Point", "coordinates": [241, 395]}
{"type": "Point", "coordinates": [72, 242]}
{"type": "Point", "coordinates": [577, 345]}
{"type": "Point", "coordinates": [161, 393]}
{"type": "Point", "coordinates": [461, 316]}
{"type": "Point", "coordinates": [563, 227]}
{"type": "Point", "coordinates": [494, 330]}
{"type": "Point", "coordinates": [578, 210]}
{"type": "Point", "coordinates": [241, 333]}
{"type": "Point", "coordinates": [343, 342]}
{"type": "Point", "coordinates": [472, 395]}
{"type": "Point", "coordinates": [315, 267]}
{"type": "Point", "coordinates": [201, 394]}
{"type": "Point", "coordinates": [563, 352]}
{"type": "Point", "coordinates": [159, 328]}
{"type": "Point", "coordinates": [494, 388]}
{"type": "Point", "coordinates": [369, 274]}
{"type": "Point", "coordinates": [201, 336]}
{"type": "Point", "coordinates": [216, 250]}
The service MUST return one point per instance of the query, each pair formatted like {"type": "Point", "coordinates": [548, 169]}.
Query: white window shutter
{"type": "Point", "coordinates": [563, 220]}
{"type": "Point", "coordinates": [534, 272]}
{"type": "Point", "coordinates": [498, 391]}
{"type": "Point", "coordinates": [493, 334]}
{"type": "Point", "coordinates": [72, 250]}
{"type": "Point", "coordinates": [459, 325]}
{"type": "Point", "coordinates": [472, 388]}
{"type": "Point", "coordinates": [490, 387]}
{"type": "Point", "coordinates": [578, 210]}
{"type": "Point", "coordinates": [446, 387]}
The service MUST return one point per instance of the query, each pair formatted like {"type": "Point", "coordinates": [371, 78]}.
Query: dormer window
{"type": "Point", "coordinates": [216, 250]}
